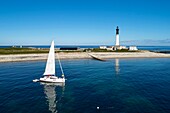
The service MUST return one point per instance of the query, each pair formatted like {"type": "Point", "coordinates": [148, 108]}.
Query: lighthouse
{"type": "Point", "coordinates": [117, 36]}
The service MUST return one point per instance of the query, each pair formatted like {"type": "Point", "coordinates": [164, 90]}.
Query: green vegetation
{"type": "Point", "coordinates": [14, 50]}
{"type": "Point", "coordinates": [104, 50]}
{"type": "Point", "coordinates": [100, 50]}
{"type": "Point", "coordinates": [69, 51]}
{"type": "Point", "coordinates": [122, 50]}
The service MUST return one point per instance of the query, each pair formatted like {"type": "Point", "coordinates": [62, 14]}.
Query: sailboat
{"type": "Point", "coordinates": [49, 74]}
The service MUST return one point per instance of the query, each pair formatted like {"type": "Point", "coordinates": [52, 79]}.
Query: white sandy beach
{"type": "Point", "coordinates": [83, 55]}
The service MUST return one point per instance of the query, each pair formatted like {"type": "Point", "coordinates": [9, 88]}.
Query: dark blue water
{"type": "Point", "coordinates": [116, 86]}
{"type": "Point", "coordinates": [154, 48]}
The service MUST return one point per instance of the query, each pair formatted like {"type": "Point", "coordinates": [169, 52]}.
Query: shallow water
{"type": "Point", "coordinates": [118, 85]}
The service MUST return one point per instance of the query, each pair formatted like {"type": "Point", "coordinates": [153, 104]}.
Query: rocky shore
{"type": "Point", "coordinates": [83, 55]}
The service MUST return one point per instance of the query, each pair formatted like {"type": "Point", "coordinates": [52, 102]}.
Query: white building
{"type": "Point", "coordinates": [117, 44]}
{"type": "Point", "coordinates": [103, 47]}
{"type": "Point", "coordinates": [120, 47]}
{"type": "Point", "coordinates": [117, 37]}
{"type": "Point", "coordinates": [133, 48]}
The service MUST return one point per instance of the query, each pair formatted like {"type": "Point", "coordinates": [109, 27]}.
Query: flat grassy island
{"type": "Point", "coordinates": [29, 54]}
{"type": "Point", "coordinates": [15, 50]}
{"type": "Point", "coordinates": [105, 50]}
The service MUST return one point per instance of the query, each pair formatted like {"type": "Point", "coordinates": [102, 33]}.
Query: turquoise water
{"type": "Point", "coordinates": [115, 86]}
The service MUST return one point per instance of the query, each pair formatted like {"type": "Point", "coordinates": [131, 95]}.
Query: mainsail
{"type": "Point", "coordinates": [50, 65]}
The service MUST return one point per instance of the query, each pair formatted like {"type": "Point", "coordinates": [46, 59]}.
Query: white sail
{"type": "Point", "coordinates": [50, 65]}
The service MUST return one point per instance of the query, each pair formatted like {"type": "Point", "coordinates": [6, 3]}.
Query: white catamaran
{"type": "Point", "coordinates": [49, 74]}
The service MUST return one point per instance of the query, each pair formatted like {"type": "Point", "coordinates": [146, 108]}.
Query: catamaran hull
{"type": "Point", "coordinates": [57, 80]}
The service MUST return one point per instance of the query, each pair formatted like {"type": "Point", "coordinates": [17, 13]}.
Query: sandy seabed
{"type": "Point", "coordinates": [83, 55]}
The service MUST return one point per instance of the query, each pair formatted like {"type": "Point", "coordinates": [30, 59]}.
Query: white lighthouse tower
{"type": "Point", "coordinates": [117, 36]}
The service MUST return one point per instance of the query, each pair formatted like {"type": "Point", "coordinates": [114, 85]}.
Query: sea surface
{"type": "Point", "coordinates": [115, 86]}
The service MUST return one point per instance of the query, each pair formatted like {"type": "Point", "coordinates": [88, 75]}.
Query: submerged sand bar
{"type": "Point", "coordinates": [83, 55]}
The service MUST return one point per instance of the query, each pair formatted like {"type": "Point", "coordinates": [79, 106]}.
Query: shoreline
{"type": "Point", "coordinates": [82, 55]}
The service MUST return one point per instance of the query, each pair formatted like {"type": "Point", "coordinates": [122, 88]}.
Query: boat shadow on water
{"type": "Point", "coordinates": [51, 94]}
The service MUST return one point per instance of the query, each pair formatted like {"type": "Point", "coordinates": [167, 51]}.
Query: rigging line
{"type": "Point", "coordinates": [60, 65]}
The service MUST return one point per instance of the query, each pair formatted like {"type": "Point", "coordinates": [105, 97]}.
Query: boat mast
{"type": "Point", "coordinates": [60, 66]}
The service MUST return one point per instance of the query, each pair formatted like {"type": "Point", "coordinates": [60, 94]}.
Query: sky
{"type": "Point", "coordinates": [84, 22]}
